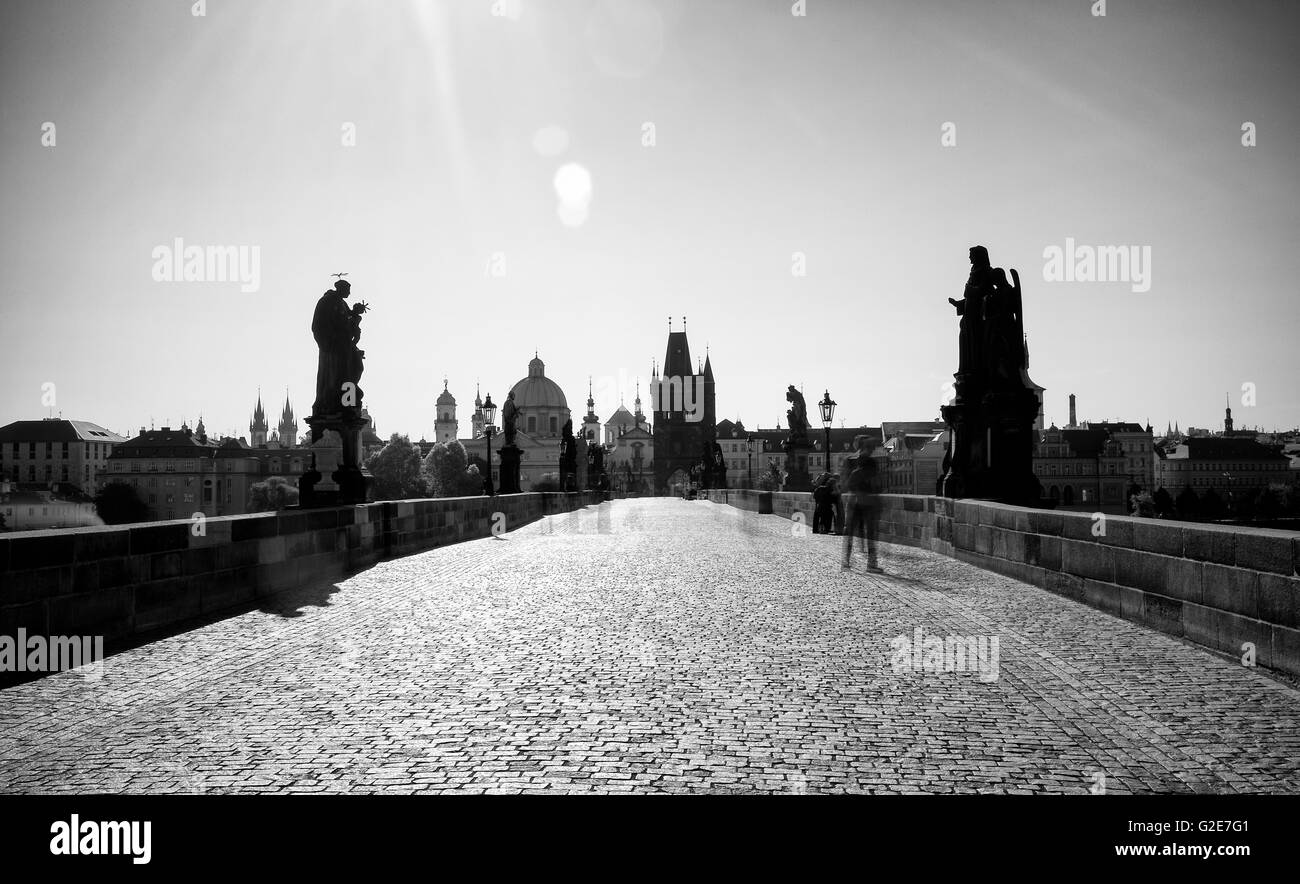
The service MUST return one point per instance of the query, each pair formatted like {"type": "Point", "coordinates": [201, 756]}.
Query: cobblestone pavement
{"type": "Point", "coordinates": [655, 646]}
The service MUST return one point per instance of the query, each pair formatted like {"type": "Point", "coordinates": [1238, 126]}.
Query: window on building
{"type": "Point", "coordinates": [65, 450]}
{"type": "Point", "coordinates": [555, 425]}
{"type": "Point", "coordinates": [532, 423]}
{"type": "Point", "coordinates": [31, 450]}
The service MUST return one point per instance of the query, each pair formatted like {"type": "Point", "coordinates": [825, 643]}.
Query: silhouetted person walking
{"type": "Point", "coordinates": [864, 512]}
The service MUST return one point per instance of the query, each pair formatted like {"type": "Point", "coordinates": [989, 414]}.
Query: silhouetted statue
{"type": "Point", "coordinates": [509, 416]}
{"type": "Point", "coordinates": [796, 415]}
{"type": "Point", "coordinates": [337, 330]}
{"type": "Point", "coordinates": [991, 417]}
{"type": "Point", "coordinates": [568, 458]}
{"type": "Point", "coordinates": [719, 467]}
{"type": "Point", "coordinates": [1004, 330]}
{"type": "Point", "coordinates": [970, 308]}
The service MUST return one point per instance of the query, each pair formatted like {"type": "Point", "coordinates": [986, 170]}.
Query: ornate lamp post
{"type": "Point", "coordinates": [749, 446]}
{"type": "Point", "coordinates": [827, 406]}
{"type": "Point", "coordinates": [489, 418]}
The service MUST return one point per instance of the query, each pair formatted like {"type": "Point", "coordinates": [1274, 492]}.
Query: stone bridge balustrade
{"type": "Point", "coordinates": [120, 581]}
{"type": "Point", "coordinates": [1222, 587]}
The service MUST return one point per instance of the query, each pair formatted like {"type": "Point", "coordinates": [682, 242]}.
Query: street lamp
{"type": "Point", "coordinates": [489, 418]}
{"type": "Point", "coordinates": [749, 446]}
{"type": "Point", "coordinates": [827, 405]}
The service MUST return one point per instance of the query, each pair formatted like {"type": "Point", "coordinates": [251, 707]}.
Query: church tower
{"type": "Point", "coordinates": [591, 423]}
{"type": "Point", "coordinates": [638, 416]}
{"type": "Point", "coordinates": [288, 426]}
{"type": "Point", "coordinates": [684, 404]}
{"type": "Point", "coordinates": [1227, 416]}
{"type": "Point", "coordinates": [258, 428]}
{"type": "Point", "coordinates": [446, 425]}
{"type": "Point", "coordinates": [476, 423]}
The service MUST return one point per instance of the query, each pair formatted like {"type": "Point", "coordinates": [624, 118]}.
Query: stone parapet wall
{"type": "Point", "coordinates": [1223, 587]}
{"type": "Point", "coordinates": [125, 580]}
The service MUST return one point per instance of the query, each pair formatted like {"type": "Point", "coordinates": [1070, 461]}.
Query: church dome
{"type": "Point", "coordinates": [445, 397]}
{"type": "Point", "coordinates": [537, 390]}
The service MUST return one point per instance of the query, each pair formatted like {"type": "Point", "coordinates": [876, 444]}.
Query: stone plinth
{"type": "Point", "coordinates": [797, 477]}
{"type": "Point", "coordinates": [509, 471]}
{"type": "Point", "coordinates": [336, 477]}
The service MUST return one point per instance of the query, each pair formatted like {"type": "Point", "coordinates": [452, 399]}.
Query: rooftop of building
{"type": "Point", "coordinates": [55, 429]}
{"type": "Point", "coordinates": [1222, 448]}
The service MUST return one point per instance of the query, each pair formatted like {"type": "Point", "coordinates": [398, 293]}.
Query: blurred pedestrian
{"type": "Point", "coordinates": [864, 511]}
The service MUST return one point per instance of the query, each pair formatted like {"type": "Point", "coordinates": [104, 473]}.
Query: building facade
{"type": "Point", "coordinates": [1229, 466]}
{"type": "Point", "coordinates": [55, 452]}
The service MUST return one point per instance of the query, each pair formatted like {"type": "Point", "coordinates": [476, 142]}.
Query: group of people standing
{"type": "Point", "coordinates": [862, 482]}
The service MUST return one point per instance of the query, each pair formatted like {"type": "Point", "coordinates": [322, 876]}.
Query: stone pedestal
{"type": "Point", "coordinates": [993, 447]}
{"type": "Point", "coordinates": [796, 466]}
{"type": "Point", "coordinates": [336, 477]}
{"type": "Point", "coordinates": [509, 471]}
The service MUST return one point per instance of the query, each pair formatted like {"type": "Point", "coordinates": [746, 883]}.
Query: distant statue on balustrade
{"type": "Point", "coordinates": [337, 330]}
{"type": "Point", "coordinates": [991, 349]}
{"type": "Point", "coordinates": [509, 418]}
{"type": "Point", "coordinates": [796, 415]}
{"type": "Point", "coordinates": [568, 458]}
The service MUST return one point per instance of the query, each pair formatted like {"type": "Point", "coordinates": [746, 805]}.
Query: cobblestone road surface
{"type": "Point", "coordinates": [655, 646]}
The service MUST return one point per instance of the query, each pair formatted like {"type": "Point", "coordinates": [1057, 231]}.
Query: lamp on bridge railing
{"type": "Point", "coordinates": [489, 419]}
{"type": "Point", "coordinates": [749, 446]}
{"type": "Point", "coordinates": [827, 405]}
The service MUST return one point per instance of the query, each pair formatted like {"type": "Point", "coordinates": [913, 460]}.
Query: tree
{"type": "Point", "coordinates": [275, 493]}
{"type": "Point", "coordinates": [1271, 502]}
{"type": "Point", "coordinates": [1212, 505]}
{"type": "Point", "coordinates": [396, 469]}
{"type": "Point", "coordinates": [1142, 504]}
{"type": "Point", "coordinates": [770, 479]}
{"type": "Point", "coordinates": [117, 503]}
{"type": "Point", "coordinates": [446, 473]}
{"type": "Point", "coordinates": [1164, 502]}
{"type": "Point", "coordinates": [1293, 500]}
{"type": "Point", "coordinates": [1188, 503]}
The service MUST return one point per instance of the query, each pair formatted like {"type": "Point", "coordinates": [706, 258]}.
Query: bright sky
{"type": "Point", "coordinates": [773, 135]}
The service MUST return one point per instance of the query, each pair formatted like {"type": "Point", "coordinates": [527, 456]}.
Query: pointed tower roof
{"type": "Point", "coordinates": [677, 357]}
